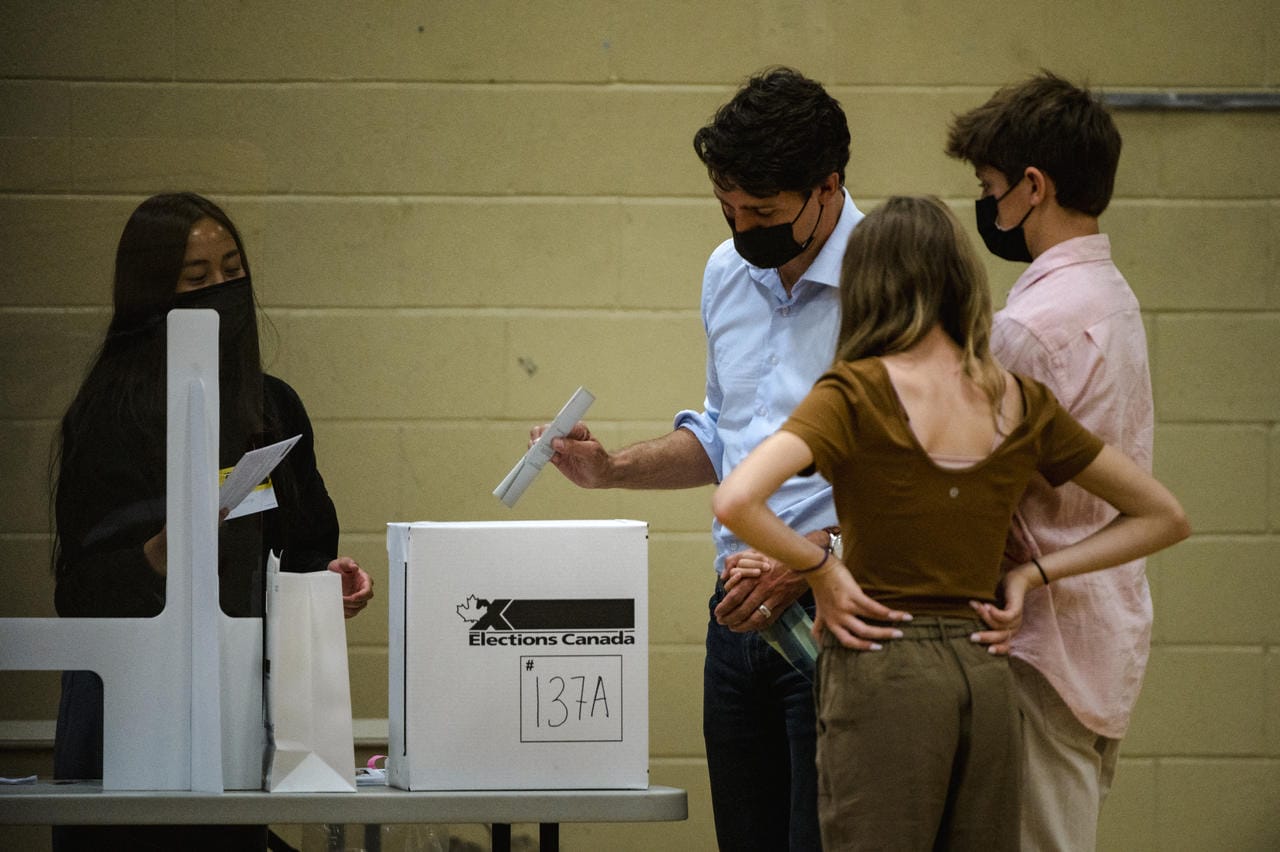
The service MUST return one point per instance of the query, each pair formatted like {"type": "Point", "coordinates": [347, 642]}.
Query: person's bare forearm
{"type": "Point", "coordinates": [675, 460]}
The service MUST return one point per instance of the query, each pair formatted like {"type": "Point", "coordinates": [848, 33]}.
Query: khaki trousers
{"type": "Point", "coordinates": [918, 743]}
{"type": "Point", "coordinates": [1067, 769]}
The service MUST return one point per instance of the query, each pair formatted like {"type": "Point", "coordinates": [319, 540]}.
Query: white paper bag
{"type": "Point", "coordinates": [310, 744]}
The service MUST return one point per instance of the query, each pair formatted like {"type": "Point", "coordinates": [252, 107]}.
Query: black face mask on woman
{"type": "Point", "coordinates": [239, 361]}
{"type": "Point", "coordinates": [233, 300]}
{"type": "Point", "coordinates": [1007, 245]}
{"type": "Point", "coordinates": [774, 245]}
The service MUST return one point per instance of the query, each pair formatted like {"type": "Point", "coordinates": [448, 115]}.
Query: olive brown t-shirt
{"type": "Point", "coordinates": [917, 536]}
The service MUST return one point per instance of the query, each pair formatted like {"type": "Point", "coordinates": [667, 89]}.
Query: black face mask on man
{"type": "Point", "coordinates": [773, 245]}
{"type": "Point", "coordinates": [1007, 245]}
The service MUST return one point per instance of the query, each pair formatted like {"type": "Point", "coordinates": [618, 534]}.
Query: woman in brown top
{"type": "Point", "coordinates": [928, 444]}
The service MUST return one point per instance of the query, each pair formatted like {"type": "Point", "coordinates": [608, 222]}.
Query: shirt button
{"type": "Point", "coordinates": [955, 492]}
{"type": "Point", "coordinates": [762, 411]}
{"type": "Point", "coordinates": [773, 360]}
{"type": "Point", "coordinates": [786, 312]}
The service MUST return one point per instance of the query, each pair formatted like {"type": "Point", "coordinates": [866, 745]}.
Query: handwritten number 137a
{"type": "Point", "coordinates": [599, 698]}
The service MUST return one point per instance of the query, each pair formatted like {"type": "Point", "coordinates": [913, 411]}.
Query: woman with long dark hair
{"type": "Point", "coordinates": [110, 553]}
{"type": "Point", "coordinates": [928, 444]}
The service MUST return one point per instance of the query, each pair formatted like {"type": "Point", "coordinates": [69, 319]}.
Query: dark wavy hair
{"type": "Point", "coordinates": [1052, 124]}
{"type": "Point", "coordinates": [781, 132]}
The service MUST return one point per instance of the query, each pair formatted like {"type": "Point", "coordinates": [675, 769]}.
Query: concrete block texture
{"type": "Point", "coordinates": [457, 213]}
{"type": "Point", "coordinates": [59, 251]}
{"type": "Point", "coordinates": [388, 138]}
{"type": "Point", "coordinates": [1200, 701]}
{"type": "Point", "coordinates": [424, 366]}
{"type": "Point", "coordinates": [1201, 155]}
{"type": "Point", "coordinates": [1226, 272]}
{"type": "Point", "coordinates": [54, 346]}
{"type": "Point", "coordinates": [26, 448]}
{"type": "Point", "coordinates": [1217, 473]}
{"type": "Point", "coordinates": [886, 42]}
{"type": "Point", "coordinates": [34, 109]}
{"type": "Point", "coordinates": [1273, 484]}
{"type": "Point", "coordinates": [135, 39]}
{"type": "Point", "coordinates": [526, 252]}
{"type": "Point", "coordinates": [681, 581]}
{"type": "Point", "coordinates": [27, 571]}
{"type": "Point", "coordinates": [1218, 804]}
{"type": "Point", "coordinates": [367, 667]}
{"type": "Point", "coordinates": [675, 701]}
{"type": "Point", "coordinates": [403, 40]}
{"type": "Point", "coordinates": [1218, 589]}
{"type": "Point", "coordinates": [36, 163]}
{"type": "Point", "coordinates": [1218, 367]}
{"type": "Point", "coordinates": [1273, 702]}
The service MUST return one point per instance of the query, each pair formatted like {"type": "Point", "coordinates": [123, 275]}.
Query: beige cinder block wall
{"type": "Point", "coordinates": [458, 212]}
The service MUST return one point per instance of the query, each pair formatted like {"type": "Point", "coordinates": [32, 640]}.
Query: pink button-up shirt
{"type": "Point", "coordinates": [1072, 322]}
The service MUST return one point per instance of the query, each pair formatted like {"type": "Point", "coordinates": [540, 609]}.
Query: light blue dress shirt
{"type": "Point", "coordinates": [765, 350]}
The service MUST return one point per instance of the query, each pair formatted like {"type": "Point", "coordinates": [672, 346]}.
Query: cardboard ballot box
{"type": "Point", "coordinates": [519, 655]}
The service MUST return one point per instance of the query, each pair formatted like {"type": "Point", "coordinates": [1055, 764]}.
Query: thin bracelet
{"type": "Point", "coordinates": [1040, 568]}
{"type": "Point", "coordinates": [821, 562]}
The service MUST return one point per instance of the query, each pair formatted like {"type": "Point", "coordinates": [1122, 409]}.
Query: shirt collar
{"type": "Point", "coordinates": [1087, 249]}
{"type": "Point", "coordinates": [825, 268]}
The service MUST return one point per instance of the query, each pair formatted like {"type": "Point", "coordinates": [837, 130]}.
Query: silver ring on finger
{"type": "Point", "coordinates": [765, 611]}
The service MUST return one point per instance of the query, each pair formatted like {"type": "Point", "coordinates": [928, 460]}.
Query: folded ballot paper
{"type": "Point", "coordinates": [245, 488]}
{"type": "Point", "coordinates": [510, 489]}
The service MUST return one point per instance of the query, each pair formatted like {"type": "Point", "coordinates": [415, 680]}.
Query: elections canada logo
{"type": "Point", "coordinates": [549, 621]}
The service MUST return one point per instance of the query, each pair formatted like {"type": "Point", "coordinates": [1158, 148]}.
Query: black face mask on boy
{"type": "Point", "coordinates": [774, 245]}
{"type": "Point", "coordinates": [1007, 245]}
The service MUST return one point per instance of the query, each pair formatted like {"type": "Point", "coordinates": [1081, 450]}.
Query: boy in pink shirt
{"type": "Point", "coordinates": [1045, 153]}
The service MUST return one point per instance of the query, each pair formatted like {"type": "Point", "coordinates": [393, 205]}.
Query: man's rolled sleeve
{"type": "Point", "coordinates": [703, 426]}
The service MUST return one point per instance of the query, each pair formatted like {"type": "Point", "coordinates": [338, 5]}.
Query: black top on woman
{"type": "Point", "coordinates": [110, 557]}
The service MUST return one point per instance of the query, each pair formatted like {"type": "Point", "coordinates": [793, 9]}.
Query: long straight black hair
{"type": "Point", "coordinates": [125, 383]}
{"type": "Point", "coordinates": [124, 387]}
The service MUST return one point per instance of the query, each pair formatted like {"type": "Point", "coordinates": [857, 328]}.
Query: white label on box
{"type": "Point", "coordinates": [571, 699]}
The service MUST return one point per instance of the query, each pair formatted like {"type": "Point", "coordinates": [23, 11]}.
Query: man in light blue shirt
{"type": "Point", "coordinates": [767, 343]}
{"type": "Point", "coordinates": [776, 155]}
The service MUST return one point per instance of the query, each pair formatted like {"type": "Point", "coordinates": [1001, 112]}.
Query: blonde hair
{"type": "Point", "coordinates": [909, 267]}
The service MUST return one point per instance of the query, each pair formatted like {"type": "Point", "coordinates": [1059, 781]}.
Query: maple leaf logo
{"type": "Point", "coordinates": [471, 611]}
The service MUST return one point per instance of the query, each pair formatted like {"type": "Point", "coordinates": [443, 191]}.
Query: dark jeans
{"type": "Point", "coordinates": [759, 725]}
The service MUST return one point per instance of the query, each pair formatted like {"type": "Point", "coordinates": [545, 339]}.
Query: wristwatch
{"type": "Point", "coordinates": [835, 544]}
